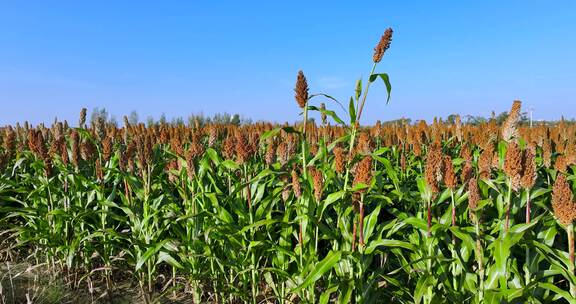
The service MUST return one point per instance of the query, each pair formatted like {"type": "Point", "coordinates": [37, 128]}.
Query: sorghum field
{"type": "Point", "coordinates": [325, 212]}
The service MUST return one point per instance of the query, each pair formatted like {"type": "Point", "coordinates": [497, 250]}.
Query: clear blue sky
{"type": "Point", "coordinates": [181, 57]}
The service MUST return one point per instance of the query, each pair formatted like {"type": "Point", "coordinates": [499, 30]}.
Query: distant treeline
{"type": "Point", "coordinates": [193, 119]}
{"type": "Point", "coordinates": [477, 120]}
{"type": "Point", "coordinates": [236, 119]}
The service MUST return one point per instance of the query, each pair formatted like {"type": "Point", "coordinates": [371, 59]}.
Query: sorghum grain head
{"type": "Point", "coordinates": [242, 148]}
{"type": "Point", "coordinates": [82, 120]}
{"type": "Point", "coordinates": [87, 150]}
{"type": "Point", "coordinates": [513, 165]}
{"type": "Point", "coordinates": [270, 154]}
{"type": "Point", "coordinates": [485, 163]}
{"type": "Point", "coordinates": [107, 145]}
{"type": "Point", "coordinates": [296, 184]}
{"type": "Point", "coordinates": [510, 126]}
{"type": "Point", "coordinates": [529, 173]}
{"type": "Point", "coordinates": [562, 202]}
{"type": "Point", "coordinates": [339, 161]}
{"type": "Point", "coordinates": [282, 153]}
{"type": "Point", "coordinates": [75, 148]}
{"type": "Point", "coordinates": [473, 198]}
{"type": "Point", "coordinates": [467, 172]}
{"type": "Point", "coordinates": [318, 183]}
{"type": "Point", "coordinates": [433, 172]}
{"type": "Point", "coordinates": [301, 90]}
{"type": "Point", "coordinates": [363, 173]}
{"type": "Point", "coordinates": [449, 175]}
{"type": "Point", "coordinates": [229, 146]}
{"type": "Point", "coordinates": [364, 143]}
{"type": "Point", "coordinates": [382, 45]}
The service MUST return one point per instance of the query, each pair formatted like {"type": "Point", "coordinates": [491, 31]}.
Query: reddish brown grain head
{"type": "Point", "coordinates": [107, 145]}
{"type": "Point", "coordinates": [467, 172]}
{"type": "Point", "coordinates": [318, 180]}
{"type": "Point", "coordinates": [339, 160]}
{"type": "Point", "coordinates": [9, 142]}
{"type": "Point", "coordinates": [229, 146]}
{"type": "Point", "coordinates": [473, 198]}
{"type": "Point", "coordinates": [270, 155]}
{"type": "Point", "coordinates": [433, 168]}
{"type": "Point", "coordinates": [301, 90]}
{"type": "Point", "coordinates": [296, 184]}
{"type": "Point", "coordinates": [510, 126]}
{"type": "Point", "coordinates": [63, 152]}
{"type": "Point", "coordinates": [242, 148]}
{"type": "Point", "coordinates": [562, 202]}
{"type": "Point", "coordinates": [382, 45]}
{"type": "Point", "coordinates": [196, 148]}
{"type": "Point", "coordinates": [546, 153]}
{"type": "Point", "coordinates": [529, 173]}
{"type": "Point", "coordinates": [363, 173]}
{"type": "Point", "coordinates": [449, 175]}
{"type": "Point", "coordinates": [485, 162]}
{"type": "Point", "coordinates": [75, 151]}
{"type": "Point", "coordinates": [282, 152]}
{"type": "Point", "coordinates": [364, 144]}
{"type": "Point", "coordinates": [513, 165]}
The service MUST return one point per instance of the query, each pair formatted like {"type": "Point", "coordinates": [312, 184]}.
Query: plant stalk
{"type": "Point", "coordinates": [570, 231]}
{"type": "Point", "coordinates": [508, 205]}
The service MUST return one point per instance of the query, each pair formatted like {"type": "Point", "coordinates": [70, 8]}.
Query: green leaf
{"type": "Point", "coordinates": [322, 267]}
{"type": "Point", "coordinates": [388, 243]}
{"type": "Point", "coordinates": [148, 255]}
{"type": "Point", "coordinates": [421, 287]}
{"type": "Point", "coordinates": [325, 296]}
{"type": "Point", "coordinates": [329, 97]}
{"type": "Point", "coordinates": [166, 257]}
{"type": "Point", "coordinates": [329, 113]}
{"type": "Point", "coordinates": [230, 165]}
{"type": "Point", "coordinates": [386, 80]}
{"type": "Point", "coordinates": [370, 222]}
{"type": "Point", "coordinates": [352, 111]}
{"type": "Point", "coordinates": [358, 90]}
{"type": "Point", "coordinates": [257, 224]}
{"type": "Point", "coordinates": [275, 131]}
{"type": "Point", "coordinates": [562, 293]}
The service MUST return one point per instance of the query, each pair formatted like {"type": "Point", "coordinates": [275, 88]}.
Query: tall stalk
{"type": "Point", "coordinates": [570, 231]}
{"type": "Point", "coordinates": [508, 205]}
{"type": "Point", "coordinates": [479, 258]}
{"type": "Point", "coordinates": [527, 273]}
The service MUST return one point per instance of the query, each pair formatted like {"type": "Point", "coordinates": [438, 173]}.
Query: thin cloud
{"type": "Point", "coordinates": [331, 83]}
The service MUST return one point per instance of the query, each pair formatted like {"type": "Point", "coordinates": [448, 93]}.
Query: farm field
{"type": "Point", "coordinates": [263, 213]}
{"type": "Point", "coordinates": [326, 209]}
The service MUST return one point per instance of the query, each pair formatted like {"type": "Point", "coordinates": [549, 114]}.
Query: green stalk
{"type": "Point", "coordinates": [355, 127]}
{"type": "Point", "coordinates": [300, 232]}
{"type": "Point", "coordinates": [570, 231]}
{"type": "Point", "coordinates": [480, 257]}
{"type": "Point", "coordinates": [527, 274]}
{"type": "Point", "coordinates": [454, 253]}
{"type": "Point", "coordinates": [304, 140]}
{"type": "Point", "coordinates": [252, 254]}
{"type": "Point", "coordinates": [361, 107]}
{"type": "Point", "coordinates": [349, 161]}
{"type": "Point", "coordinates": [508, 205]}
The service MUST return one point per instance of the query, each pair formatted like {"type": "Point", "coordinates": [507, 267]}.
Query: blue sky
{"type": "Point", "coordinates": [182, 57]}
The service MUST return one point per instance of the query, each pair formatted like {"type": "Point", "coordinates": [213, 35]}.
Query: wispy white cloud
{"type": "Point", "coordinates": [331, 82]}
